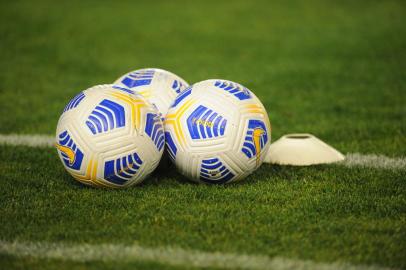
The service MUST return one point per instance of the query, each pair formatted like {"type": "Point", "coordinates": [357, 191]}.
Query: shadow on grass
{"type": "Point", "coordinates": [166, 175]}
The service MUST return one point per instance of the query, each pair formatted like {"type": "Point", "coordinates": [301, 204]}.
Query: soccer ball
{"type": "Point", "coordinates": [109, 136]}
{"type": "Point", "coordinates": [217, 131]}
{"type": "Point", "coordinates": [158, 86]}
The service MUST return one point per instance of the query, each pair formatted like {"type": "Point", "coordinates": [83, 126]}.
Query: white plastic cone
{"type": "Point", "coordinates": [301, 150]}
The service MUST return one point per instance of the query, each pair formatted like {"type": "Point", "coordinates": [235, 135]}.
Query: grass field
{"type": "Point", "coordinates": [334, 69]}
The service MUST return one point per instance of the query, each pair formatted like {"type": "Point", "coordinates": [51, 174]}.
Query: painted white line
{"type": "Point", "coordinates": [374, 161]}
{"type": "Point", "coordinates": [164, 255]}
{"type": "Point", "coordinates": [34, 140]}
{"type": "Point", "coordinates": [351, 159]}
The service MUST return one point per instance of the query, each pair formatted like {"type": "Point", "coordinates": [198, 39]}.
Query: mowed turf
{"type": "Point", "coordinates": [335, 69]}
{"type": "Point", "coordinates": [323, 213]}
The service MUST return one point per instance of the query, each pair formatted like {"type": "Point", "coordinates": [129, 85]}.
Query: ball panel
{"type": "Point", "coordinates": [181, 96]}
{"type": "Point", "coordinates": [71, 154]}
{"type": "Point", "coordinates": [121, 170]}
{"type": "Point", "coordinates": [106, 116]}
{"type": "Point", "coordinates": [154, 130]}
{"type": "Point", "coordinates": [137, 78]}
{"type": "Point", "coordinates": [255, 139]}
{"type": "Point", "coordinates": [74, 102]}
{"type": "Point", "coordinates": [75, 158]}
{"type": "Point", "coordinates": [214, 171]}
{"type": "Point", "coordinates": [204, 123]}
{"type": "Point", "coordinates": [171, 146]}
{"type": "Point", "coordinates": [235, 89]}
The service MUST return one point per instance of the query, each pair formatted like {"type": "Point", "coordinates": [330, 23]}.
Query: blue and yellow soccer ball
{"type": "Point", "coordinates": [158, 86]}
{"type": "Point", "coordinates": [108, 136]}
{"type": "Point", "coordinates": [217, 131]}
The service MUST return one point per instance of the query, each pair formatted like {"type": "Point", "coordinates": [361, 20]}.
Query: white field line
{"type": "Point", "coordinates": [165, 255]}
{"type": "Point", "coordinates": [351, 159]}
{"type": "Point", "coordinates": [35, 140]}
{"type": "Point", "coordinates": [374, 161]}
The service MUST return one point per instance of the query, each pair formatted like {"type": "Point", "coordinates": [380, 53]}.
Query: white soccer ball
{"type": "Point", "coordinates": [217, 131]}
{"type": "Point", "coordinates": [158, 86]}
{"type": "Point", "coordinates": [108, 136]}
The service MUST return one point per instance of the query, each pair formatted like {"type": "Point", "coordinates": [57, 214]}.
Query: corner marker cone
{"type": "Point", "coordinates": [301, 150]}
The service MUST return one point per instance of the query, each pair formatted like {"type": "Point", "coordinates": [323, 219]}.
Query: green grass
{"type": "Point", "coordinates": [323, 213]}
{"type": "Point", "coordinates": [335, 69]}
{"type": "Point", "coordinates": [8, 262]}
